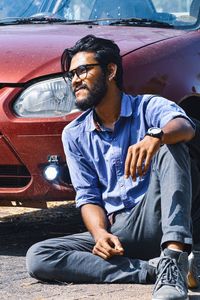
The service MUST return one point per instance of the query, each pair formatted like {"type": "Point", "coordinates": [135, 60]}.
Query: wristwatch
{"type": "Point", "coordinates": [155, 132]}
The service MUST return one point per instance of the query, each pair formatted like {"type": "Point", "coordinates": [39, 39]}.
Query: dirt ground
{"type": "Point", "coordinates": [20, 228]}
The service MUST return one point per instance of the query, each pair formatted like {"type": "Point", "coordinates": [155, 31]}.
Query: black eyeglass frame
{"type": "Point", "coordinates": [85, 68]}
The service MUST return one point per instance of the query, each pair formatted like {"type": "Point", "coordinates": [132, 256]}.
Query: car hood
{"type": "Point", "coordinates": [30, 51]}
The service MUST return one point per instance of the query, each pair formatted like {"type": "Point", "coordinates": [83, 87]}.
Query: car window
{"type": "Point", "coordinates": [122, 9]}
{"type": "Point", "coordinates": [18, 8]}
{"type": "Point", "coordinates": [178, 13]}
{"type": "Point", "coordinates": [184, 10]}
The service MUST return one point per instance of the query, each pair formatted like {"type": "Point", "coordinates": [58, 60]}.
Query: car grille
{"type": "Point", "coordinates": [14, 176]}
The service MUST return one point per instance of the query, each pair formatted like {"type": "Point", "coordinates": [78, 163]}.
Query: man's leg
{"type": "Point", "coordinates": [163, 219]}
{"type": "Point", "coordinates": [163, 216]}
{"type": "Point", "coordinates": [69, 259]}
{"type": "Point", "coordinates": [173, 169]}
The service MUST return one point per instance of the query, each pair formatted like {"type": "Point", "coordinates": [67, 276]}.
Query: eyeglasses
{"type": "Point", "coordinates": [81, 72]}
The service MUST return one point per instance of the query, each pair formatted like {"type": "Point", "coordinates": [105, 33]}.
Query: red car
{"type": "Point", "coordinates": [160, 46]}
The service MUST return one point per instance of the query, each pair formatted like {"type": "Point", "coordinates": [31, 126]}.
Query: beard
{"type": "Point", "coordinates": [95, 95]}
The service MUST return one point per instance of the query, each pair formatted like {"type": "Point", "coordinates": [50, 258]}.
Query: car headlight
{"type": "Point", "coordinates": [48, 98]}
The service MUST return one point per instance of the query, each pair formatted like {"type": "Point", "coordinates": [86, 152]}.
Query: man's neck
{"type": "Point", "coordinates": [108, 110]}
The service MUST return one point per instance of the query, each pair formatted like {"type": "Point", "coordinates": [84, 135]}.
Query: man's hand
{"type": "Point", "coordinates": [139, 157]}
{"type": "Point", "coordinates": [108, 245]}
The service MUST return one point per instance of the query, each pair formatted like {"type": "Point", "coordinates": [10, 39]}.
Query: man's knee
{"type": "Point", "coordinates": [176, 153]}
{"type": "Point", "coordinates": [174, 149]}
{"type": "Point", "coordinates": [34, 261]}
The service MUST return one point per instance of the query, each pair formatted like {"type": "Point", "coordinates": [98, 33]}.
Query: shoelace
{"type": "Point", "coordinates": [168, 273]}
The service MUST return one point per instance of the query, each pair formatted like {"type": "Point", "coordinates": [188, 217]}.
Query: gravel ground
{"type": "Point", "coordinates": [20, 228]}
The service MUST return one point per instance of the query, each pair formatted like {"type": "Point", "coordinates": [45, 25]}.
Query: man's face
{"type": "Point", "coordinates": [88, 82]}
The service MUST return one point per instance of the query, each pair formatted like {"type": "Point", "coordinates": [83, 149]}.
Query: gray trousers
{"type": "Point", "coordinates": [163, 215]}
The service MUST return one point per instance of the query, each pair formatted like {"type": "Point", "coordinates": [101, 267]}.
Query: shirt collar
{"type": "Point", "coordinates": [126, 106]}
{"type": "Point", "coordinates": [92, 122]}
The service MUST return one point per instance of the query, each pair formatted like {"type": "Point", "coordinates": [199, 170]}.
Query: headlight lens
{"type": "Point", "coordinates": [49, 98]}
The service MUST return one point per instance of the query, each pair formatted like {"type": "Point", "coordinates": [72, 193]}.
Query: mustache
{"type": "Point", "coordinates": [82, 86]}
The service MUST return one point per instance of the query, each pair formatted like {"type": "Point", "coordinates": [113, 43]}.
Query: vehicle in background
{"type": "Point", "coordinates": [160, 47]}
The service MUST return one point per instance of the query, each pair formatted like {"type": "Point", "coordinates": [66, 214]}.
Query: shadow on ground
{"type": "Point", "coordinates": [19, 232]}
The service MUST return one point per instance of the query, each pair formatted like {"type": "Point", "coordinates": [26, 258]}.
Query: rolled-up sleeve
{"type": "Point", "coordinates": [160, 111]}
{"type": "Point", "coordinates": [83, 175]}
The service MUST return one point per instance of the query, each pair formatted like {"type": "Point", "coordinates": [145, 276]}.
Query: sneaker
{"type": "Point", "coordinates": [192, 276]}
{"type": "Point", "coordinates": [171, 283]}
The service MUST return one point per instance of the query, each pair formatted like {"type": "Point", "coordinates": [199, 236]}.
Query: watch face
{"type": "Point", "coordinates": [154, 130]}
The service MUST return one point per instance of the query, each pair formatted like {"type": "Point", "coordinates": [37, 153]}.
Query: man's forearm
{"type": "Point", "coordinates": [106, 245]}
{"type": "Point", "coordinates": [94, 218]}
{"type": "Point", "coordinates": [177, 130]}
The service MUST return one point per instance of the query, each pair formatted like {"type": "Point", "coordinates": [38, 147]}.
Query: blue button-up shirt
{"type": "Point", "coordinates": [96, 155]}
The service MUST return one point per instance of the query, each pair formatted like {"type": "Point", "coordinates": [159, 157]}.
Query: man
{"type": "Point", "coordinates": [131, 171]}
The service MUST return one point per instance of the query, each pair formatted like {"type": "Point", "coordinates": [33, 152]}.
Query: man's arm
{"type": "Point", "coordinates": [177, 130]}
{"type": "Point", "coordinates": [107, 244]}
{"type": "Point", "coordinates": [139, 156]}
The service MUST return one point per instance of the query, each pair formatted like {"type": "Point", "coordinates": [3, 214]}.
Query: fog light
{"type": "Point", "coordinates": [51, 171]}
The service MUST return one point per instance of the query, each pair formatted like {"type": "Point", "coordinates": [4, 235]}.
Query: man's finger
{"type": "Point", "coordinates": [111, 247]}
{"type": "Point", "coordinates": [127, 164]}
{"type": "Point", "coordinates": [147, 163]}
{"type": "Point", "coordinates": [100, 251]}
{"type": "Point", "coordinates": [101, 254]}
{"type": "Point", "coordinates": [133, 171]}
{"type": "Point", "coordinates": [117, 245]}
{"type": "Point", "coordinates": [140, 164]}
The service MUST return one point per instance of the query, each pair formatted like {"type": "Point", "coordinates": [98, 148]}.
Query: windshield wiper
{"type": "Point", "coordinates": [46, 20]}
{"type": "Point", "coordinates": [30, 20]}
{"type": "Point", "coordinates": [141, 22]}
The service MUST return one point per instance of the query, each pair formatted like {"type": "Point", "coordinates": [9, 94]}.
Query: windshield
{"type": "Point", "coordinates": [178, 13]}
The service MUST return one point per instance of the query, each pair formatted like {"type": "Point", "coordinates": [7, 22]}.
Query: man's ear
{"type": "Point", "coordinates": [112, 70]}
